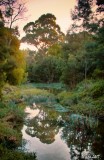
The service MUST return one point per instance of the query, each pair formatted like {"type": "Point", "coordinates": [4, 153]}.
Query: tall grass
{"type": "Point", "coordinates": [85, 99]}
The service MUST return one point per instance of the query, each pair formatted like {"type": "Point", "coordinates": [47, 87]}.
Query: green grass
{"type": "Point", "coordinates": [11, 122]}
{"type": "Point", "coordinates": [11, 109]}
{"type": "Point", "coordinates": [87, 98]}
{"type": "Point", "coordinates": [24, 91]}
{"type": "Point", "coordinates": [11, 119]}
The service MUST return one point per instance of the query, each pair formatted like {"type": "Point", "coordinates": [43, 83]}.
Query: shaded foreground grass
{"type": "Point", "coordinates": [7, 154]}
{"type": "Point", "coordinates": [11, 121]}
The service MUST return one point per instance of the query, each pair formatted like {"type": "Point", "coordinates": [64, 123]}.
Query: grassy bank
{"type": "Point", "coordinates": [15, 98]}
{"type": "Point", "coordinates": [87, 98]}
{"type": "Point", "coordinates": [11, 122]}
{"type": "Point", "coordinates": [24, 93]}
{"type": "Point", "coordinates": [12, 116]}
{"type": "Point", "coordinates": [11, 119]}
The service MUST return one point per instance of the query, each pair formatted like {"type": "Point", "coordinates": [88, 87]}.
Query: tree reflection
{"type": "Point", "coordinates": [80, 136]}
{"type": "Point", "coordinates": [44, 126]}
{"type": "Point", "coordinates": [83, 136]}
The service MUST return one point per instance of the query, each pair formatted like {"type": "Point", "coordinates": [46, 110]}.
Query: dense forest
{"type": "Point", "coordinates": [74, 62]}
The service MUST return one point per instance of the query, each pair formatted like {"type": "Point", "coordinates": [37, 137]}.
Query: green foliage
{"type": "Point", "coordinates": [11, 118]}
{"type": "Point", "coordinates": [47, 71]}
{"type": "Point", "coordinates": [11, 58]}
{"type": "Point", "coordinates": [11, 109]}
{"type": "Point", "coordinates": [71, 74]}
{"type": "Point", "coordinates": [99, 50]}
{"type": "Point", "coordinates": [97, 90]}
{"type": "Point", "coordinates": [25, 92]}
{"type": "Point", "coordinates": [87, 98]}
{"type": "Point", "coordinates": [2, 82]}
{"type": "Point", "coordinates": [43, 31]}
{"type": "Point", "coordinates": [55, 50]}
{"type": "Point", "coordinates": [7, 154]}
{"type": "Point", "coordinates": [98, 74]}
{"type": "Point", "coordinates": [77, 60]}
{"type": "Point", "coordinates": [8, 135]}
{"type": "Point", "coordinates": [17, 79]}
{"type": "Point", "coordinates": [68, 98]}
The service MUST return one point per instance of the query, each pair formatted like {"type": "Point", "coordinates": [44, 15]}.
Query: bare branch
{"type": "Point", "coordinates": [12, 10]}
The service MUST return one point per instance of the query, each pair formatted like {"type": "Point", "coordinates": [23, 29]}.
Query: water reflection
{"type": "Point", "coordinates": [79, 135]}
{"type": "Point", "coordinates": [53, 135]}
{"type": "Point", "coordinates": [44, 125]}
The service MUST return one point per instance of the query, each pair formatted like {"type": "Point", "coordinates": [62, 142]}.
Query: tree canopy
{"type": "Point", "coordinates": [43, 33]}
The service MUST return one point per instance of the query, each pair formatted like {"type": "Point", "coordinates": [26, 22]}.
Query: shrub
{"type": "Point", "coordinates": [47, 71]}
{"type": "Point", "coordinates": [97, 89]}
{"type": "Point", "coordinates": [17, 76]}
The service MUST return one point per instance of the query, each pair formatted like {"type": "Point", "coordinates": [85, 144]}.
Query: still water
{"type": "Point", "coordinates": [60, 136]}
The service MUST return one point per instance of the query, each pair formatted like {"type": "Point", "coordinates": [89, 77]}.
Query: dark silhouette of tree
{"type": "Point", "coordinates": [12, 11]}
{"type": "Point", "coordinates": [86, 17]}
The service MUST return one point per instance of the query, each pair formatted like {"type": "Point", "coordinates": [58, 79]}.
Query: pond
{"type": "Point", "coordinates": [54, 135]}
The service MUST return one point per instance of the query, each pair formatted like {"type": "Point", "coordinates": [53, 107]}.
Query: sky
{"type": "Point", "coordinates": [60, 8]}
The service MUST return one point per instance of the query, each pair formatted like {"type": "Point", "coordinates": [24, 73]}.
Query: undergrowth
{"type": "Point", "coordinates": [87, 98]}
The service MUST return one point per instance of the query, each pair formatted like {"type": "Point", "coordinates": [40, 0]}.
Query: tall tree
{"type": "Point", "coordinates": [96, 53]}
{"type": "Point", "coordinates": [12, 62]}
{"type": "Point", "coordinates": [81, 13]}
{"type": "Point", "coordinates": [86, 16]}
{"type": "Point", "coordinates": [43, 33]}
{"type": "Point", "coordinates": [77, 60]}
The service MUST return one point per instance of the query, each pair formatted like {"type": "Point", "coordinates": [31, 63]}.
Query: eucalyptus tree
{"type": "Point", "coordinates": [43, 33]}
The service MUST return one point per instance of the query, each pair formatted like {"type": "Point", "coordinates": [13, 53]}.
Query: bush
{"type": "Point", "coordinates": [11, 118]}
{"type": "Point", "coordinates": [17, 76]}
{"type": "Point", "coordinates": [97, 89]}
{"type": "Point", "coordinates": [98, 74]}
{"type": "Point", "coordinates": [87, 98]}
{"type": "Point", "coordinates": [47, 71]}
{"type": "Point", "coordinates": [68, 98]}
{"type": "Point", "coordinates": [11, 110]}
